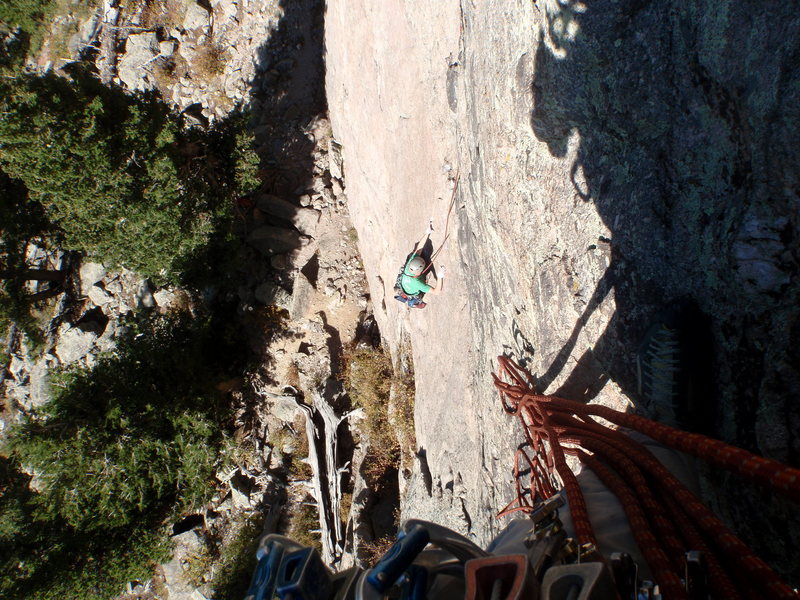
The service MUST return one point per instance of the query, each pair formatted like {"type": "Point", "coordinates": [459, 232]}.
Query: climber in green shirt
{"type": "Point", "coordinates": [411, 284]}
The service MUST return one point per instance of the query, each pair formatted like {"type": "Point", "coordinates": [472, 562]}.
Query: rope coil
{"type": "Point", "coordinates": [666, 518]}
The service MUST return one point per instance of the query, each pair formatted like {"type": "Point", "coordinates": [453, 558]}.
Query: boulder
{"type": "Point", "coordinates": [285, 409]}
{"type": "Point", "coordinates": [144, 295]}
{"type": "Point", "coordinates": [167, 48]}
{"type": "Point", "coordinates": [273, 295]}
{"type": "Point", "coordinates": [275, 240]}
{"type": "Point", "coordinates": [19, 367]}
{"type": "Point", "coordinates": [196, 17]}
{"type": "Point", "coordinates": [39, 385]}
{"type": "Point", "coordinates": [165, 298]}
{"type": "Point", "coordinates": [224, 9]}
{"type": "Point", "coordinates": [303, 219]}
{"type": "Point", "coordinates": [106, 342]}
{"type": "Point", "coordinates": [90, 274]}
{"type": "Point", "coordinates": [335, 162]}
{"type": "Point", "coordinates": [140, 49]}
{"type": "Point", "coordinates": [73, 343]}
{"type": "Point", "coordinates": [302, 296]}
{"type": "Point", "coordinates": [187, 545]}
{"type": "Point", "coordinates": [99, 296]}
{"type": "Point", "coordinates": [241, 488]}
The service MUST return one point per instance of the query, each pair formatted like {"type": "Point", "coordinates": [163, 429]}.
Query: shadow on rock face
{"type": "Point", "coordinates": [688, 135]}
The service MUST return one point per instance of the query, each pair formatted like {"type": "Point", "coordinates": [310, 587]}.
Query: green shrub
{"type": "Point", "coordinates": [237, 558]}
{"type": "Point", "coordinates": [49, 559]}
{"type": "Point", "coordinates": [136, 432]}
{"type": "Point", "coordinates": [29, 15]}
{"type": "Point", "coordinates": [119, 174]}
{"type": "Point", "coordinates": [117, 451]}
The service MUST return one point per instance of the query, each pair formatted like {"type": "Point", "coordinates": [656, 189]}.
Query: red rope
{"type": "Point", "coordinates": [649, 493]}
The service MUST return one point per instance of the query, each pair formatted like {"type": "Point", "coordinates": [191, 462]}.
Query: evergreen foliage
{"type": "Point", "coordinates": [118, 450]}
{"type": "Point", "coordinates": [28, 15]}
{"type": "Point", "coordinates": [49, 560]}
{"type": "Point", "coordinates": [118, 173]}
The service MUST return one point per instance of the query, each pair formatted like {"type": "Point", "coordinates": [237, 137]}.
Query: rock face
{"type": "Point", "coordinates": [140, 50]}
{"type": "Point", "coordinates": [613, 157]}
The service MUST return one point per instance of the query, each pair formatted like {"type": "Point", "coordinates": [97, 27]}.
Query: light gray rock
{"type": "Point", "coordinates": [337, 189]}
{"type": "Point", "coordinates": [19, 368]}
{"type": "Point", "coordinates": [165, 298]}
{"type": "Point", "coordinates": [89, 28]}
{"type": "Point", "coordinates": [99, 296]}
{"type": "Point", "coordinates": [187, 545]}
{"type": "Point", "coordinates": [140, 50]}
{"type": "Point", "coordinates": [144, 295]}
{"type": "Point", "coordinates": [335, 162]}
{"type": "Point", "coordinates": [273, 295]}
{"type": "Point", "coordinates": [39, 382]}
{"type": "Point", "coordinates": [73, 343]}
{"type": "Point", "coordinates": [90, 274]}
{"type": "Point", "coordinates": [196, 17]}
{"type": "Point", "coordinates": [241, 487]}
{"type": "Point", "coordinates": [167, 48]}
{"type": "Point", "coordinates": [284, 408]}
{"type": "Point", "coordinates": [106, 342]}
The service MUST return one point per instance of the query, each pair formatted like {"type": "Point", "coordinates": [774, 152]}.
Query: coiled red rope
{"type": "Point", "coordinates": [666, 519]}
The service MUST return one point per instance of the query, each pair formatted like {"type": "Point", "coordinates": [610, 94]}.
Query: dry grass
{"type": "Point", "coordinates": [297, 467]}
{"type": "Point", "coordinates": [369, 378]}
{"type": "Point", "coordinates": [403, 405]}
{"type": "Point", "coordinates": [292, 376]}
{"type": "Point", "coordinates": [210, 60]}
{"type": "Point", "coordinates": [236, 557]}
{"type": "Point", "coordinates": [294, 460]}
{"type": "Point", "coordinates": [373, 550]}
{"type": "Point", "coordinates": [166, 73]}
{"type": "Point", "coordinates": [67, 17]}
{"type": "Point", "coordinates": [163, 13]}
{"type": "Point", "coordinates": [345, 505]}
{"type": "Point", "coordinates": [198, 566]}
{"type": "Point", "coordinates": [303, 521]}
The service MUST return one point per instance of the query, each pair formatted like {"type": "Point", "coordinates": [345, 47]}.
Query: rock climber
{"type": "Point", "coordinates": [411, 284]}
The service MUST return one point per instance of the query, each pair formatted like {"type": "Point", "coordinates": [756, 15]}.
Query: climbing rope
{"type": "Point", "coordinates": [666, 519]}
{"type": "Point", "coordinates": [446, 225]}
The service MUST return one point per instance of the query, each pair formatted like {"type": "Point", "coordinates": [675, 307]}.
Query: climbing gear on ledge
{"type": "Point", "coordinates": [666, 519]}
{"type": "Point", "coordinates": [691, 554]}
{"type": "Point", "coordinates": [429, 561]}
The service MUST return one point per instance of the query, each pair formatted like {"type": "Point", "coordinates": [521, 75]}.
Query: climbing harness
{"type": "Point", "coordinates": [666, 519]}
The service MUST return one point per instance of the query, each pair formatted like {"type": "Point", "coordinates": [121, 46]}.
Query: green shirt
{"type": "Point", "coordinates": [413, 286]}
